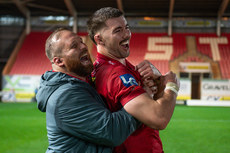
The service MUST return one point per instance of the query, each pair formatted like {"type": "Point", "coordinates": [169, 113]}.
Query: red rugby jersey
{"type": "Point", "coordinates": [118, 84]}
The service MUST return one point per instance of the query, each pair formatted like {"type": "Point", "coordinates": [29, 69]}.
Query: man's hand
{"type": "Point", "coordinates": [150, 87]}
{"type": "Point", "coordinates": [164, 79]}
{"type": "Point", "coordinates": [150, 76]}
{"type": "Point", "coordinates": [154, 81]}
{"type": "Point", "coordinates": [147, 70]}
{"type": "Point", "coordinates": [171, 77]}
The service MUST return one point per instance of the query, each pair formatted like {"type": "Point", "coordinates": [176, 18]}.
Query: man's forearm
{"type": "Point", "coordinates": [154, 113]}
{"type": "Point", "coordinates": [166, 106]}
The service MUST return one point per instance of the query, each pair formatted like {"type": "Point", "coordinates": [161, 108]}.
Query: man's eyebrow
{"type": "Point", "coordinates": [73, 43]}
{"type": "Point", "coordinates": [117, 28]}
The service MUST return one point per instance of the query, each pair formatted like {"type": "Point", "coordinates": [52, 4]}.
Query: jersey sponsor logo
{"type": "Point", "coordinates": [110, 62]}
{"type": "Point", "coordinates": [128, 80]}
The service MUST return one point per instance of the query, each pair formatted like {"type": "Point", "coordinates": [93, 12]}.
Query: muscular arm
{"type": "Point", "coordinates": [154, 113]}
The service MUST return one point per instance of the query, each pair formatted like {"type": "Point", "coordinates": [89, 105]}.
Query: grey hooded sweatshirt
{"type": "Point", "coordinates": [77, 119]}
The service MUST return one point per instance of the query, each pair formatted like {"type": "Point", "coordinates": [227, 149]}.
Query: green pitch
{"type": "Point", "coordinates": [198, 130]}
{"type": "Point", "coordinates": [22, 128]}
{"type": "Point", "coordinates": [191, 130]}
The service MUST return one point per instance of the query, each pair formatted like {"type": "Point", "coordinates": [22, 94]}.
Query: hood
{"type": "Point", "coordinates": [49, 82]}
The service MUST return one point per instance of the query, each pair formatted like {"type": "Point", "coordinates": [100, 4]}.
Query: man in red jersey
{"type": "Point", "coordinates": [121, 85]}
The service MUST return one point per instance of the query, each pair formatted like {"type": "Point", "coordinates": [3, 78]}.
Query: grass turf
{"type": "Point", "coordinates": [198, 130]}
{"type": "Point", "coordinates": [191, 130]}
{"type": "Point", "coordinates": [22, 128]}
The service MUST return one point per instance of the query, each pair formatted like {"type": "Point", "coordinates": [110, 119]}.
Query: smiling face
{"type": "Point", "coordinates": [75, 56]}
{"type": "Point", "coordinates": [115, 37]}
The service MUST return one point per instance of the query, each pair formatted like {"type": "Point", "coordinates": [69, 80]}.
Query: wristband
{"type": "Point", "coordinates": [172, 89]}
{"type": "Point", "coordinates": [172, 86]}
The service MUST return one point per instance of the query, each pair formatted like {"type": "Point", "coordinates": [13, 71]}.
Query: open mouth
{"type": "Point", "coordinates": [85, 58]}
{"type": "Point", "coordinates": [125, 44]}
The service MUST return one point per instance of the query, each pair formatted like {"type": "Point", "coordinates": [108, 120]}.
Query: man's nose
{"type": "Point", "coordinates": [84, 46]}
{"type": "Point", "coordinates": [127, 33]}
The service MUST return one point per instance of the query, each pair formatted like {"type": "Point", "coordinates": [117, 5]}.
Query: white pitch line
{"type": "Point", "coordinates": [198, 120]}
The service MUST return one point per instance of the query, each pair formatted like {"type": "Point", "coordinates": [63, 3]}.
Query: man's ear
{"type": "Point", "coordinates": [98, 39]}
{"type": "Point", "coordinates": [58, 61]}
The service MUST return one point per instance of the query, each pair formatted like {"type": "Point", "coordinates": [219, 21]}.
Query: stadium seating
{"type": "Point", "coordinates": [155, 47]}
{"type": "Point", "coordinates": [31, 58]}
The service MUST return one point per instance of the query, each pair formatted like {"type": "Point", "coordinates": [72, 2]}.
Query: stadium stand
{"type": "Point", "coordinates": [225, 55]}
{"type": "Point", "coordinates": [166, 53]}
{"type": "Point", "coordinates": [31, 57]}
{"type": "Point", "coordinates": [208, 47]}
{"type": "Point", "coordinates": [158, 48]}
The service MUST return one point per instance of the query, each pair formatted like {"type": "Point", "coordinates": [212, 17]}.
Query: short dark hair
{"type": "Point", "coordinates": [98, 19]}
{"type": "Point", "coordinates": [49, 46]}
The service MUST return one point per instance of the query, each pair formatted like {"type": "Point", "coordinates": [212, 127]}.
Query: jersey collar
{"type": "Point", "coordinates": [102, 58]}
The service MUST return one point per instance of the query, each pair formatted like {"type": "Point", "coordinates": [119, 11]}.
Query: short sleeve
{"type": "Point", "coordinates": [123, 87]}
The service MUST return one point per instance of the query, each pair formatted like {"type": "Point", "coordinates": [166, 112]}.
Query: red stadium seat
{"type": "Point", "coordinates": [31, 58]}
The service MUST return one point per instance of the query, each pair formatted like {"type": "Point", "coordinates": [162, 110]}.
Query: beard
{"type": "Point", "coordinates": [75, 66]}
{"type": "Point", "coordinates": [119, 53]}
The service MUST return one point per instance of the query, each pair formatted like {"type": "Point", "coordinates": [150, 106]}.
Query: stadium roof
{"type": "Point", "coordinates": [132, 8]}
